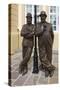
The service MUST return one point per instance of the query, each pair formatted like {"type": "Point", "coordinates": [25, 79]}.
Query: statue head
{"type": "Point", "coordinates": [29, 18]}
{"type": "Point", "coordinates": [43, 16]}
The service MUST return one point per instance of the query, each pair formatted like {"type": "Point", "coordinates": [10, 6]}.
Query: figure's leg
{"type": "Point", "coordinates": [47, 41]}
{"type": "Point", "coordinates": [26, 58]}
{"type": "Point", "coordinates": [25, 69]}
{"type": "Point", "coordinates": [46, 72]}
{"type": "Point", "coordinates": [48, 46]}
{"type": "Point", "coordinates": [42, 57]}
{"type": "Point", "coordinates": [51, 70]}
{"type": "Point", "coordinates": [44, 61]}
{"type": "Point", "coordinates": [45, 53]}
{"type": "Point", "coordinates": [42, 52]}
{"type": "Point", "coordinates": [21, 66]}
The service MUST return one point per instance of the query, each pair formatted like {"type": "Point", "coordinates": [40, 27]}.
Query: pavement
{"type": "Point", "coordinates": [30, 78]}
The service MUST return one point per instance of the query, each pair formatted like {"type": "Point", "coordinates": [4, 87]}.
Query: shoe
{"type": "Point", "coordinates": [42, 68]}
{"type": "Point", "coordinates": [51, 73]}
{"type": "Point", "coordinates": [46, 73]}
{"type": "Point", "coordinates": [20, 69]}
{"type": "Point", "coordinates": [25, 70]}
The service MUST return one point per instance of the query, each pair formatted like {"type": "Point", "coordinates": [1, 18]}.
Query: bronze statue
{"type": "Point", "coordinates": [45, 36]}
{"type": "Point", "coordinates": [27, 33]}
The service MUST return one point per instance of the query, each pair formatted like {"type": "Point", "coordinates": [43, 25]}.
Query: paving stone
{"type": "Point", "coordinates": [20, 81]}
{"type": "Point", "coordinates": [30, 78]}
{"type": "Point", "coordinates": [53, 80]}
{"type": "Point", "coordinates": [14, 75]}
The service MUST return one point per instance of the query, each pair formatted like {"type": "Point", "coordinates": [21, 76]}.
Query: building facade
{"type": "Point", "coordinates": [22, 10]}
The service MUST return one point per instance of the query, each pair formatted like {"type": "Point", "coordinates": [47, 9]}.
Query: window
{"type": "Point", "coordinates": [53, 11]}
{"type": "Point", "coordinates": [38, 9]}
{"type": "Point", "coordinates": [53, 19]}
{"type": "Point", "coordinates": [29, 8]}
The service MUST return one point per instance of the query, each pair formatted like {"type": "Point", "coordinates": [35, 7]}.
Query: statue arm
{"type": "Point", "coordinates": [23, 31]}
{"type": "Point", "coordinates": [31, 32]}
{"type": "Point", "coordinates": [38, 31]}
{"type": "Point", "coordinates": [27, 33]}
{"type": "Point", "coordinates": [52, 34]}
{"type": "Point", "coordinates": [30, 35]}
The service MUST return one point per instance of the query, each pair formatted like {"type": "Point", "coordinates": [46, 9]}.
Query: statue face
{"type": "Point", "coordinates": [29, 20]}
{"type": "Point", "coordinates": [43, 18]}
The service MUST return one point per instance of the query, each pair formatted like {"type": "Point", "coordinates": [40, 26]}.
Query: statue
{"type": "Point", "coordinates": [45, 36]}
{"type": "Point", "coordinates": [27, 33]}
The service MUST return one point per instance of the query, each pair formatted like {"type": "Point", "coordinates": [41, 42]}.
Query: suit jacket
{"type": "Point", "coordinates": [43, 30]}
{"type": "Point", "coordinates": [27, 34]}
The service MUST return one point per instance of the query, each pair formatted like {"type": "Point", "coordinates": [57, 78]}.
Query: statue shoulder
{"type": "Point", "coordinates": [39, 23]}
{"type": "Point", "coordinates": [49, 24]}
{"type": "Point", "coordinates": [33, 25]}
{"type": "Point", "coordinates": [24, 25]}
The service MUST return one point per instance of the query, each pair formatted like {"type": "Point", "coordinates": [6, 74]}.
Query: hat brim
{"type": "Point", "coordinates": [42, 15]}
{"type": "Point", "coordinates": [28, 16]}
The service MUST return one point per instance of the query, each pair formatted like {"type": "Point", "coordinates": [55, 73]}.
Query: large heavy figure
{"type": "Point", "coordinates": [27, 33]}
{"type": "Point", "coordinates": [45, 36]}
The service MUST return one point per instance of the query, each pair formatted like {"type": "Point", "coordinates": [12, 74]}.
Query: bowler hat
{"type": "Point", "coordinates": [29, 15]}
{"type": "Point", "coordinates": [43, 13]}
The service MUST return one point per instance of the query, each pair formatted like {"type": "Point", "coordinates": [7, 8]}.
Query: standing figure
{"type": "Point", "coordinates": [45, 36]}
{"type": "Point", "coordinates": [27, 33]}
